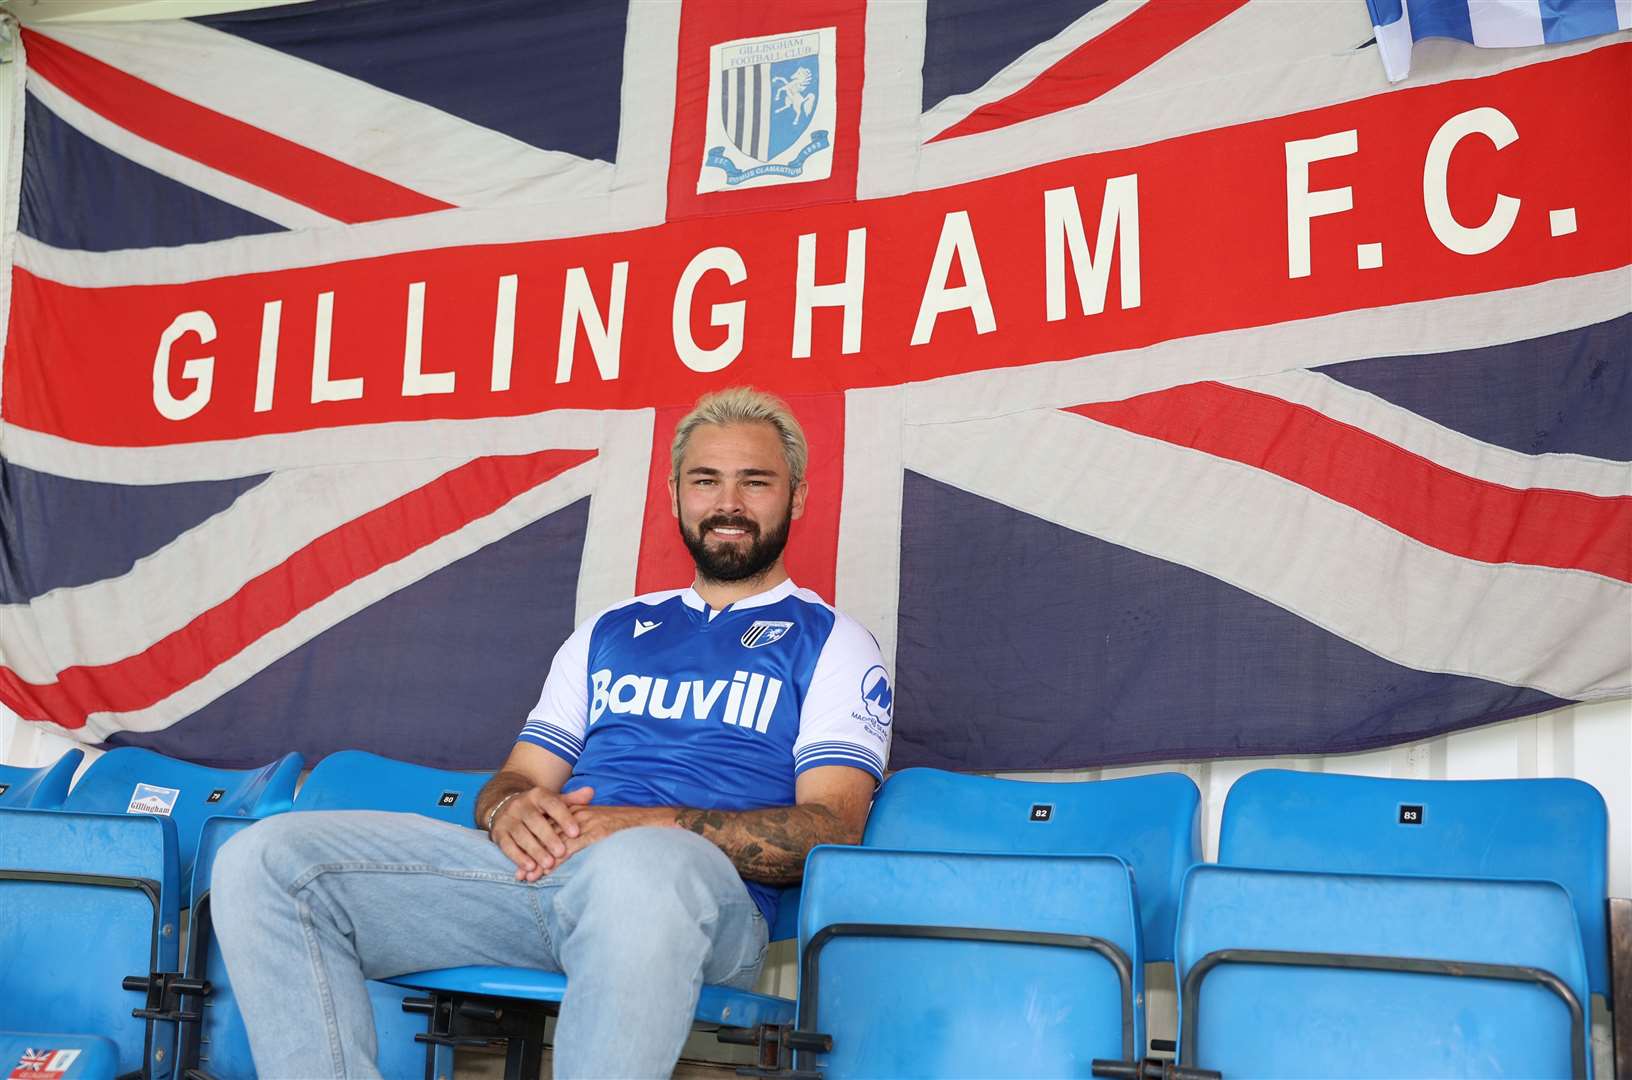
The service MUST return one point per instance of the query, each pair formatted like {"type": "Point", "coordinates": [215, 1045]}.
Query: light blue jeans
{"type": "Point", "coordinates": [308, 905]}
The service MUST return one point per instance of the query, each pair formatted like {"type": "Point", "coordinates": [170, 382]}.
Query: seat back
{"type": "Point", "coordinates": [131, 779]}
{"type": "Point", "coordinates": [43, 788]}
{"type": "Point", "coordinates": [1248, 1017]}
{"type": "Point", "coordinates": [85, 901]}
{"type": "Point", "coordinates": [359, 780]}
{"type": "Point", "coordinates": [1546, 829]}
{"type": "Point", "coordinates": [1151, 822]}
{"type": "Point", "coordinates": [345, 780]}
{"type": "Point", "coordinates": [926, 1006]}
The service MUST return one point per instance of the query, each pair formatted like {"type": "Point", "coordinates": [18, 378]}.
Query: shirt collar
{"type": "Point", "coordinates": [769, 596]}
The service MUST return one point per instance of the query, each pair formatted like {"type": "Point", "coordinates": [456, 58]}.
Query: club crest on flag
{"type": "Point", "coordinates": [771, 111]}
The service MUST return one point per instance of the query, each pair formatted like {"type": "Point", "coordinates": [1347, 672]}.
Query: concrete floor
{"type": "Point", "coordinates": [471, 1065]}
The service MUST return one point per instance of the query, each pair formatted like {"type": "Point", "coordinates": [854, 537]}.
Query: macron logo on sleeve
{"type": "Point", "coordinates": [642, 626]}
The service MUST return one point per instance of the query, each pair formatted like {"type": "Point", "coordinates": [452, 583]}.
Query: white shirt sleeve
{"type": "Point", "coordinates": [849, 706]}
{"type": "Point", "coordinates": [559, 720]}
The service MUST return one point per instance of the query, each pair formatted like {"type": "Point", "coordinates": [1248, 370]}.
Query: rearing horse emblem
{"type": "Point", "coordinates": [794, 92]}
{"type": "Point", "coordinates": [769, 91]}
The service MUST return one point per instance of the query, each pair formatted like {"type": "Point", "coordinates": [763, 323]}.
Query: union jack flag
{"type": "Point", "coordinates": [43, 1064]}
{"type": "Point", "coordinates": [1176, 386]}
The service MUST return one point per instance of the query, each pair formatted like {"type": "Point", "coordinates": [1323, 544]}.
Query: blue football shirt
{"type": "Point", "coordinates": [663, 701]}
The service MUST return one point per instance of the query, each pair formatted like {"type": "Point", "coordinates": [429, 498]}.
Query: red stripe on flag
{"type": "Point", "coordinates": [1099, 64]}
{"type": "Point", "coordinates": [812, 553]}
{"type": "Point", "coordinates": [328, 564]}
{"type": "Point", "coordinates": [231, 146]}
{"type": "Point", "coordinates": [1214, 257]}
{"type": "Point", "coordinates": [1443, 508]}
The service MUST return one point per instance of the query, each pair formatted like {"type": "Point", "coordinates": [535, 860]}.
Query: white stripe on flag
{"type": "Point", "coordinates": [518, 513]}
{"type": "Point", "coordinates": [868, 567]}
{"type": "Point", "coordinates": [1623, 14]}
{"type": "Point", "coordinates": [1025, 68]}
{"type": "Point", "coordinates": [108, 620]}
{"type": "Point", "coordinates": [1423, 608]}
{"type": "Point", "coordinates": [1428, 326]}
{"type": "Point", "coordinates": [270, 252]}
{"type": "Point", "coordinates": [606, 574]}
{"type": "Point", "coordinates": [551, 429]}
{"type": "Point", "coordinates": [184, 170]}
{"type": "Point", "coordinates": [892, 95]}
{"type": "Point", "coordinates": [1506, 24]}
{"type": "Point", "coordinates": [1158, 104]}
{"type": "Point", "coordinates": [646, 118]}
{"type": "Point", "coordinates": [446, 157]}
{"type": "Point", "coordinates": [1441, 445]}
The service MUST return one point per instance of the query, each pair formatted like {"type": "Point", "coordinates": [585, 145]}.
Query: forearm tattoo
{"type": "Point", "coordinates": [769, 846]}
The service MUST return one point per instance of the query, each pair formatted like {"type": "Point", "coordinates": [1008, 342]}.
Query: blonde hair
{"type": "Point", "coordinates": [743, 405]}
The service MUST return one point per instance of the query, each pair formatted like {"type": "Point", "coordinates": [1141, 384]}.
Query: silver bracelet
{"type": "Point", "coordinates": [492, 815]}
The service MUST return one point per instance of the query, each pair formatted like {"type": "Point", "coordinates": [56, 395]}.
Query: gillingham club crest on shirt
{"type": "Point", "coordinates": [771, 111]}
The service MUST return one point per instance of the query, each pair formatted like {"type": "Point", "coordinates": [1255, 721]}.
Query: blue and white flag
{"type": "Point", "coordinates": [1493, 24]}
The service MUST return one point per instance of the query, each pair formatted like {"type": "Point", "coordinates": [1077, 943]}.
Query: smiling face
{"type": "Point", "coordinates": [734, 499]}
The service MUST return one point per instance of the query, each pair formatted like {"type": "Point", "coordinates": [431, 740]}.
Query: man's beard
{"type": "Point", "coordinates": [736, 562]}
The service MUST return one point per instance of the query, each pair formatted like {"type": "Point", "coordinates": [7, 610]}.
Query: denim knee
{"type": "Point", "coordinates": [271, 857]}
{"type": "Point", "coordinates": [656, 874]}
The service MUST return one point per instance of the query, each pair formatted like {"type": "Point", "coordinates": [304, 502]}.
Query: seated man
{"type": "Point", "coordinates": [689, 749]}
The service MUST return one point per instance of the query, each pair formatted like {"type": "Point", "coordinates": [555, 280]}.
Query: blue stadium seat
{"type": "Point", "coordinates": [1300, 974]}
{"type": "Point", "coordinates": [43, 788]}
{"type": "Point", "coordinates": [1100, 860]}
{"type": "Point", "coordinates": [91, 896]}
{"type": "Point", "coordinates": [1545, 829]}
{"type": "Point", "coordinates": [923, 963]}
{"type": "Point", "coordinates": [184, 794]}
{"type": "Point", "coordinates": [217, 1044]}
{"type": "Point", "coordinates": [539, 993]}
{"type": "Point", "coordinates": [1151, 822]}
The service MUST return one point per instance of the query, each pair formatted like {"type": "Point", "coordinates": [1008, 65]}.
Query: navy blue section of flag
{"type": "Point", "coordinates": [440, 672]}
{"type": "Point", "coordinates": [1126, 657]}
{"type": "Point", "coordinates": [1566, 393]}
{"type": "Point", "coordinates": [966, 42]}
{"type": "Point", "coordinates": [554, 82]}
{"type": "Point", "coordinates": [76, 193]}
{"type": "Point", "coordinates": [63, 532]}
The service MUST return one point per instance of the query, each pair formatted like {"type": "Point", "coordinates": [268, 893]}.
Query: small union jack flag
{"type": "Point", "coordinates": [43, 1064]}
